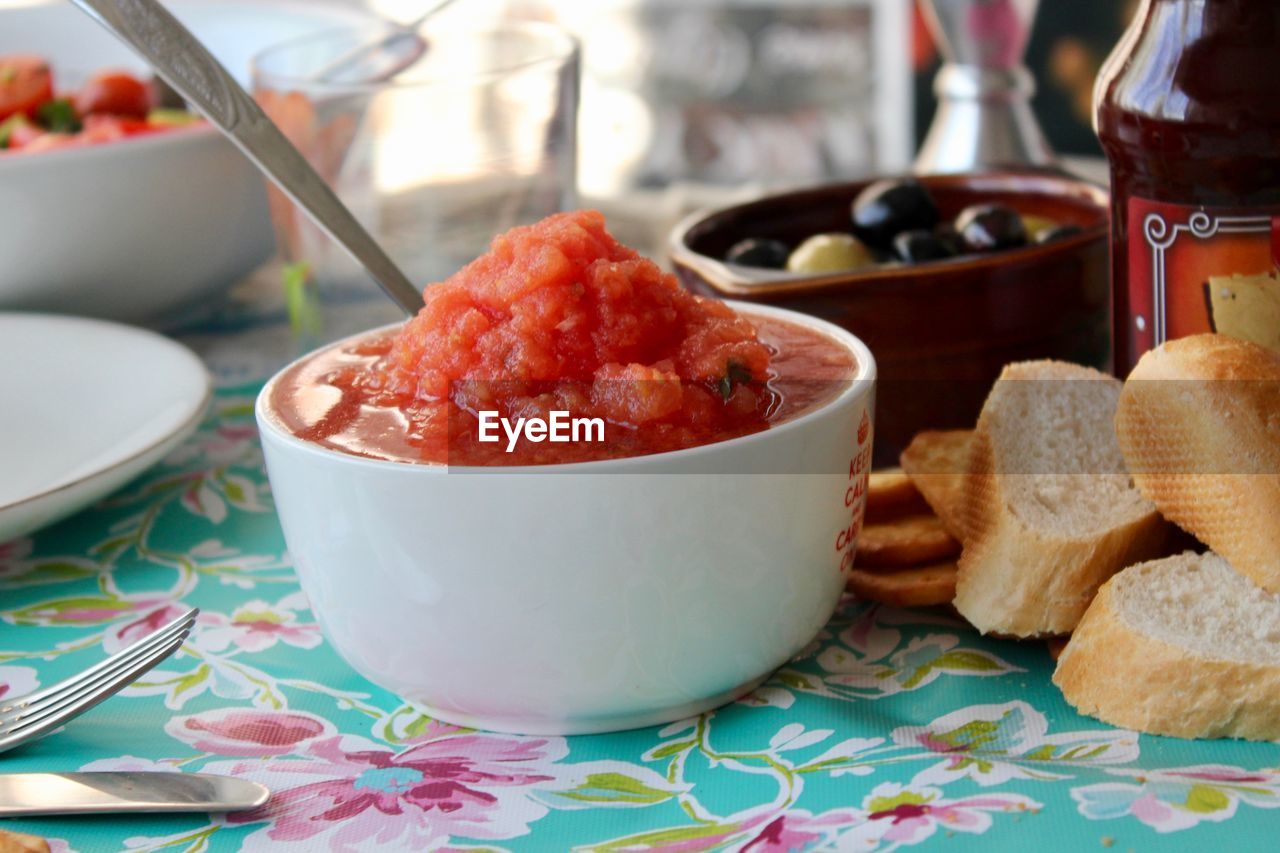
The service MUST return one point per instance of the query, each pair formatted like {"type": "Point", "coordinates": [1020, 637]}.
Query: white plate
{"type": "Point", "coordinates": [86, 406]}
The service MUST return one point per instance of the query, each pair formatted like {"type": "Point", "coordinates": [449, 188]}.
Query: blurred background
{"type": "Point", "coordinates": [854, 75]}
{"type": "Point", "coordinates": [864, 39]}
{"type": "Point", "coordinates": [687, 103]}
{"type": "Point", "coordinates": [681, 104]}
{"type": "Point", "coordinates": [1070, 41]}
{"type": "Point", "coordinates": [711, 100]}
{"type": "Point", "coordinates": [734, 91]}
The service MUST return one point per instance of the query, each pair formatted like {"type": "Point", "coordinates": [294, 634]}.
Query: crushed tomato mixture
{"type": "Point", "coordinates": [561, 316]}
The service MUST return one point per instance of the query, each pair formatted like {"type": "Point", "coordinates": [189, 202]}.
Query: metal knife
{"type": "Point", "coordinates": [123, 791]}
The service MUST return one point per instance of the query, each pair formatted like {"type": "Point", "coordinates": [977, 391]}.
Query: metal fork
{"type": "Point", "coordinates": [36, 714]}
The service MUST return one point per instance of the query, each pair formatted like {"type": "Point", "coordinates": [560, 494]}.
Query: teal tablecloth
{"type": "Point", "coordinates": [892, 729]}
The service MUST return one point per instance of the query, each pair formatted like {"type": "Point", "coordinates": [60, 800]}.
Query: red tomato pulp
{"type": "Point", "coordinates": [558, 316]}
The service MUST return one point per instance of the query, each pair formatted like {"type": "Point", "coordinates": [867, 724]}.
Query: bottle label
{"type": "Point", "coordinates": [1196, 269]}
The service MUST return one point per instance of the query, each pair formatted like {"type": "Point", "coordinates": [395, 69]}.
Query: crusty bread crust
{"type": "Point", "coordinates": [1113, 672]}
{"type": "Point", "coordinates": [1018, 580]}
{"type": "Point", "coordinates": [1206, 449]}
{"type": "Point", "coordinates": [936, 462]}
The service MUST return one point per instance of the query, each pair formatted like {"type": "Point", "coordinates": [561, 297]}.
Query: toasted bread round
{"type": "Point", "coordinates": [1199, 426]}
{"type": "Point", "coordinates": [907, 541]}
{"type": "Point", "coordinates": [891, 494]}
{"type": "Point", "coordinates": [937, 461]}
{"type": "Point", "coordinates": [921, 586]}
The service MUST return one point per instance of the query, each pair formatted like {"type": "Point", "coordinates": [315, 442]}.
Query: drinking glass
{"type": "Point", "coordinates": [476, 136]}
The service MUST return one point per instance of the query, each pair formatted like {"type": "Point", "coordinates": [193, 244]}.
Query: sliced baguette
{"type": "Point", "coordinates": [1199, 425]}
{"type": "Point", "coordinates": [1182, 646]}
{"type": "Point", "coordinates": [1050, 512]}
{"type": "Point", "coordinates": [937, 462]}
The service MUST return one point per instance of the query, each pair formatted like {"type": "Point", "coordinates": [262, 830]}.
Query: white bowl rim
{"type": "Point", "coordinates": [191, 134]}
{"type": "Point", "coordinates": [862, 381]}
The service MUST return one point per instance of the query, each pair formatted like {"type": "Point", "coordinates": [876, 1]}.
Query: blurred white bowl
{"type": "Point", "coordinates": [140, 229]}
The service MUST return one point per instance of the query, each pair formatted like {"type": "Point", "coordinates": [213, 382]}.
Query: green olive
{"type": "Point", "coordinates": [830, 253]}
{"type": "Point", "coordinates": [1034, 225]}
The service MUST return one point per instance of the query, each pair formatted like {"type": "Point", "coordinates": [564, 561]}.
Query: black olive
{"type": "Point", "coordinates": [990, 227]}
{"type": "Point", "coordinates": [887, 208]}
{"type": "Point", "coordinates": [918, 246]}
{"type": "Point", "coordinates": [758, 252]}
{"type": "Point", "coordinates": [950, 237]}
{"type": "Point", "coordinates": [1058, 232]}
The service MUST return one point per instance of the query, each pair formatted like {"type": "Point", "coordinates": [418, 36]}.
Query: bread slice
{"type": "Point", "coordinates": [1199, 425]}
{"type": "Point", "coordinates": [908, 541]}
{"type": "Point", "coordinates": [1050, 512]}
{"type": "Point", "coordinates": [937, 462]}
{"type": "Point", "coordinates": [916, 586]}
{"type": "Point", "coordinates": [1182, 646]}
{"type": "Point", "coordinates": [892, 495]}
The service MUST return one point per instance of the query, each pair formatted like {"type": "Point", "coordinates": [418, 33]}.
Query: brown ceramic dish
{"type": "Point", "coordinates": [940, 331]}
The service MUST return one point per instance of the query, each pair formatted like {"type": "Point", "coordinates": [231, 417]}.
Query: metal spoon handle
{"type": "Point", "coordinates": [185, 64]}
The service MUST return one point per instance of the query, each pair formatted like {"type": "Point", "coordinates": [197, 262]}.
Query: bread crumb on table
{"type": "Point", "coordinates": [19, 842]}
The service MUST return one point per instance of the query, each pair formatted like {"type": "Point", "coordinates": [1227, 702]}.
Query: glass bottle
{"type": "Point", "coordinates": [1188, 112]}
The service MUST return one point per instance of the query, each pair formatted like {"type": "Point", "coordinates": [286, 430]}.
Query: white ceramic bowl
{"type": "Point", "coordinates": [139, 229]}
{"type": "Point", "coordinates": [590, 597]}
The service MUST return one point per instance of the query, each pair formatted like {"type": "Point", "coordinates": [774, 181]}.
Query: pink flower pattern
{"type": "Point", "coordinates": [1178, 798]}
{"type": "Point", "coordinates": [17, 681]}
{"type": "Point", "coordinates": [349, 793]}
{"type": "Point", "coordinates": [904, 814]}
{"type": "Point", "coordinates": [13, 554]}
{"type": "Point", "coordinates": [256, 693]}
{"type": "Point", "coordinates": [256, 626]}
{"type": "Point", "coordinates": [155, 615]}
{"type": "Point", "coordinates": [225, 444]}
{"type": "Point", "coordinates": [248, 732]}
{"type": "Point", "coordinates": [797, 830]}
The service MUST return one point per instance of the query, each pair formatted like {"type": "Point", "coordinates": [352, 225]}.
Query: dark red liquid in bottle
{"type": "Point", "coordinates": [1188, 112]}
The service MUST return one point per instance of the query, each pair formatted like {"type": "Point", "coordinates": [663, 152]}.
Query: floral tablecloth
{"type": "Point", "coordinates": [892, 729]}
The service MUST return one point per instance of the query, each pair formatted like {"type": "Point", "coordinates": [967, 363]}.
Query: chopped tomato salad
{"type": "Point", "coordinates": [563, 300]}
{"type": "Point", "coordinates": [26, 82]}
{"type": "Point", "coordinates": [558, 317]}
{"type": "Point", "coordinates": [114, 93]}
{"type": "Point", "coordinates": [111, 105]}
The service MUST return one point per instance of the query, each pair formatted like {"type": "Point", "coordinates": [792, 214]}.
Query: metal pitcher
{"type": "Point", "coordinates": [984, 90]}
